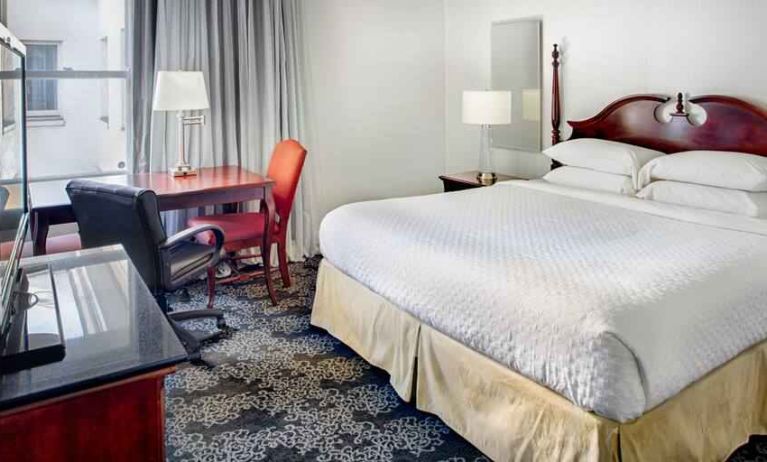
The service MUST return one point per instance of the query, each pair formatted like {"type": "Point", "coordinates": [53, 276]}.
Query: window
{"type": "Point", "coordinates": [76, 81]}
{"type": "Point", "coordinates": [42, 94]}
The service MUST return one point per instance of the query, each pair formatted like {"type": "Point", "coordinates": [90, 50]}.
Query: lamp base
{"type": "Point", "coordinates": [486, 178]}
{"type": "Point", "coordinates": [183, 170]}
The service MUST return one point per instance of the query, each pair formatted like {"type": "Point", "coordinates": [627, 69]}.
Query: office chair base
{"type": "Point", "coordinates": [184, 296]}
{"type": "Point", "coordinates": [197, 314]}
{"type": "Point", "coordinates": [191, 340]}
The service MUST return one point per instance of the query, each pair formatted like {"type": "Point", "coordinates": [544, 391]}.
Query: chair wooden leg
{"type": "Point", "coordinates": [266, 257]}
{"type": "Point", "coordinates": [282, 255]}
{"type": "Point", "coordinates": [211, 285]}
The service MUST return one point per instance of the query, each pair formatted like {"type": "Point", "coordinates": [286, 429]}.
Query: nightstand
{"type": "Point", "coordinates": [468, 180]}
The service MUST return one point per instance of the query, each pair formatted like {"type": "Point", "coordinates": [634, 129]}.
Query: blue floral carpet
{"type": "Point", "coordinates": [277, 388]}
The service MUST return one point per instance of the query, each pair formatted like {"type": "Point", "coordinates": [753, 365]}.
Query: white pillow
{"type": "Point", "coordinates": [752, 204]}
{"type": "Point", "coordinates": [591, 179]}
{"type": "Point", "coordinates": [734, 170]}
{"type": "Point", "coordinates": [602, 156]}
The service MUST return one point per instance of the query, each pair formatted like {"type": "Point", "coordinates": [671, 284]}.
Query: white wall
{"type": "Point", "coordinates": [374, 97]}
{"type": "Point", "coordinates": [611, 48]}
{"type": "Point", "coordinates": [384, 77]}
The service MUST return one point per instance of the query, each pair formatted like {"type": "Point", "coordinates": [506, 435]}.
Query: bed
{"type": "Point", "coordinates": [543, 322]}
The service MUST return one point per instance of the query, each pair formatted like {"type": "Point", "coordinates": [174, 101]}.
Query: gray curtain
{"type": "Point", "coordinates": [141, 37]}
{"type": "Point", "coordinates": [249, 52]}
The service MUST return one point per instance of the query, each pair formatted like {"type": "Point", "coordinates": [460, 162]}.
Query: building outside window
{"type": "Point", "coordinates": [42, 95]}
{"type": "Point", "coordinates": [76, 84]}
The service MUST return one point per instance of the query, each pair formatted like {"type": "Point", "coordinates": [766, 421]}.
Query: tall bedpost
{"type": "Point", "coordinates": [556, 112]}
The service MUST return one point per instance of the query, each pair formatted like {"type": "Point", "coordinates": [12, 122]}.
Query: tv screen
{"type": "Point", "coordinates": [14, 201]}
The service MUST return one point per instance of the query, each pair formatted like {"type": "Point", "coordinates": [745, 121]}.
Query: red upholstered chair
{"type": "Point", "coordinates": [245, 230]}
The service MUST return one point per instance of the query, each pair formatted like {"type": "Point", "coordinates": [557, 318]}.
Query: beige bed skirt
{"type": "Point", "coordinates": [510, 417]}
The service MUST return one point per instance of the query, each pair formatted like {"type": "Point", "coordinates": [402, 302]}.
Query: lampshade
{"type": "Point", "coordinates": [180, 91]}
{"type": "Point", "coordinates": [487, 107]}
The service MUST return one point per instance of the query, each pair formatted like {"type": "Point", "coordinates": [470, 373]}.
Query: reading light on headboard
{"type": "Point", "coordinates": [679, 110]}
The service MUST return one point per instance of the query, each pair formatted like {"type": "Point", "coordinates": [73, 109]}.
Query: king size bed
{"type": "Point", "coordinates": [543, 321]}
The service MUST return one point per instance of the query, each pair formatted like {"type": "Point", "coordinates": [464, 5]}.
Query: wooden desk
{"type": "Point", "coordinates": [228, 185]}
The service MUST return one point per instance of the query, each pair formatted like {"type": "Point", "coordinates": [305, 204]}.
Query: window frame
{"type": "Point", "coordinates": [104, 103]}
{"type": "Point", "coordinates": [69, 74]}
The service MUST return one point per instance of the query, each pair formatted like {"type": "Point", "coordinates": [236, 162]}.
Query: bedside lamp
{"type": "Point", "coordinates": [486, 108]}
{"type": "Point", "coordinates": [181, 91]}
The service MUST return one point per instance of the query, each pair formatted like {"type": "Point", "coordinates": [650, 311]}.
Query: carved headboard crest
{"type": "Point", "coordinates": [731, 124]}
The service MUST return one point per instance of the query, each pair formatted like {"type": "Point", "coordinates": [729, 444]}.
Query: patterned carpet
{"type": "Point", "coordinates": [754, 450]}
{"type": "Point", "coordinates": [280, 389]}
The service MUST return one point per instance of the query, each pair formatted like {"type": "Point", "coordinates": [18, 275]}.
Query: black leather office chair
{"type": "Point", "coordinates": [110, 214]}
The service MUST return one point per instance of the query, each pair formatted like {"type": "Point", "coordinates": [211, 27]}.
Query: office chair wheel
{"type": "Point", "coordinates": [184, 296]}
{"type": "Point", "coordinates": [194, 357]}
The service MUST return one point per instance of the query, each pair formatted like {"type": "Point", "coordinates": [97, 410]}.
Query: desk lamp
{"type": "Point", "coordinates": [181, 91]}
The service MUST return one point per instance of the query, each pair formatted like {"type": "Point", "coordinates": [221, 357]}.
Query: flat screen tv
{"type": "Point", "coordinates": [14, 197]}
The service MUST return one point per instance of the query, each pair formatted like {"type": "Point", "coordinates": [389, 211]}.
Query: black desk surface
{"type": "Point", "coordinates": [113, 328]}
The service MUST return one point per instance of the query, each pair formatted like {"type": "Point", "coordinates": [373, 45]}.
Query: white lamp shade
{"type": "Point", "coordinates": [487, 107]}
{"type": "Point", "coordinates": [180, 91]}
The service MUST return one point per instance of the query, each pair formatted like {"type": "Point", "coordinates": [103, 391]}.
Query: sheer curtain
{"type": "Point", "coordinates": [249, 52]}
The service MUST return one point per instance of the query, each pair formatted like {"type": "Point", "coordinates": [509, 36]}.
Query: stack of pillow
{"type": "Point", "coordinates": [599, 165]}
{"type": "Point", "coordinates": [730, 182]}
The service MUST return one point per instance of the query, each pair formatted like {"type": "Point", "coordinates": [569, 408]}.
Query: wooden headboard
{"type": "Point", "coordinates": [731, 124]}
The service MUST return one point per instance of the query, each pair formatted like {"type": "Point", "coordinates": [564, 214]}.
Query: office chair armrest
{"type": "Point", "coordinates": [179, 241]}
{"type": "Point", "coordinates": [189, 233]}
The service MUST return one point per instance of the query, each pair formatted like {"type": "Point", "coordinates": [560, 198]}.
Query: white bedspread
{"type": "Point", "coordinates": [598, 297]}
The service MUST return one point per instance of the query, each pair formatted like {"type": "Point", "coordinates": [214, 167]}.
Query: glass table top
{"type": "Point", "coordinates": [112, 326]}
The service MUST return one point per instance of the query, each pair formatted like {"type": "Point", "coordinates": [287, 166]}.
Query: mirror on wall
{"type": "Point", "coordinates": [516, 67]}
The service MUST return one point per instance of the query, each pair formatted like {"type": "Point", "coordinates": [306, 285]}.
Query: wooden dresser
{"type": "Point", "coordinates": [105, 399]}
